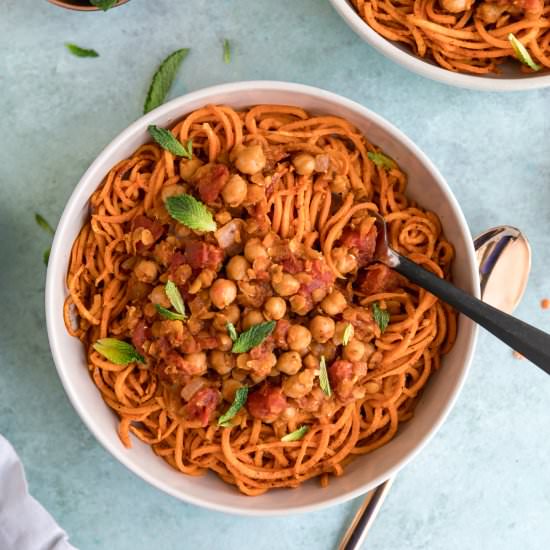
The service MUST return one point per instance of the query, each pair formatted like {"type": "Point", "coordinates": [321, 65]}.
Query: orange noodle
{"type": "Point", "coordinates": [463, 35]}
{"type": "Point", "coordinates": [291, 194]}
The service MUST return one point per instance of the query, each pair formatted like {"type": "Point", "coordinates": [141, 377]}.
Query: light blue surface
{"type": "Point", "coordinates": [484, 481]}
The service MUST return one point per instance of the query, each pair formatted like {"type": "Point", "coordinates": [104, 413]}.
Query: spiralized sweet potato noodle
{"type": "Point", "coordinates": [459, 42]}
{"type": "Point", "coordinates": [304, 209]}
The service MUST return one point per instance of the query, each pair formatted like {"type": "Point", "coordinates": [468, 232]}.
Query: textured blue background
{"type": "Point", "coordinates": [484, 482]}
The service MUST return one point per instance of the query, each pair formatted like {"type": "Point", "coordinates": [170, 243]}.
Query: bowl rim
{"type": "Point", "coordinates": [415, 64]}
{"type": "Point", "coordinates": [60, 246]}
{"type": "Point", "coordinates": [74, 7]}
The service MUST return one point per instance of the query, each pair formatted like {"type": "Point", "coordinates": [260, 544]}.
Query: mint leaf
{"type": "Point", "coordinates": [381, 317]}
{"type": "Point", "coordinates": [162, 80]}
{"type": "Point", "coordinates": [324, 381]}
{"type": "Point", "coordinates": [46, 256]}
{"type": "Point", "coordinates": [522, 54]}
{"type": "Point", "coordinates": [80, 52]}
{"type": "Point", "coordinates": [381, 160]}
{"type": "Point", "coordinates": [240, 399]}
{"type": "Point", "coordinates": [103, 4]}
{"type": "Point", "coordinates": [167, 314]}
{"type": "Point", "coordinates": [118, 351]}
{"type": "Point", "coordinates": [347, 334]}
{"type": "Point", "coordinates": [226, 51]}
{"type": "Point", "coordinates": [296, 435]}
{"type": "Point", "coordinates": [253, 337]}
{"type": "Point", "coordinates": [174, 295]}
{"type": "Point", "coordinates": [41, 221]}
{"type": "Point", "coordinates": [168, 141]}
{"type": "Point", "coordinates": [191, 212]}
{"type": "Point", "coordinates": [232, 331]}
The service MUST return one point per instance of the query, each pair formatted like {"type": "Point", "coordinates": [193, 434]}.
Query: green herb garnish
{"type": "Point", "coordinates": [381, 160]}
{"type": "Point", "coordinates": [167, 314]}
{"type": "Point", "coordinates": [324, 381]}
{"type": "Point", "coordinates": [118, 351]}
{"type": "Point", "coordinates": [522, 54]}
{"type": "Point", "coordinates": [347, 334]}
{"type": "Point", "coordinates": [46, 255]}
{"type": "Point", "coordinates": [191, 212]}
{"type": "Point", "coordinates": [41, 221]}
{"type": "Point", "coordinates": [162, 80]}
{"type": "Point", "coordinates": [381, 316]}
{"type": "Point", "coordinates": [253, 337]}
{"type": "Point", "coordinates": [80, 52]}
{"type": "Point", "coordinates": [226, 51]}
{"type": "Point", "coordinates": [174, 295]}
{"type": "Point", "coordinates": [103, 4]}
{"type": "Point", "coordinates": [232, 331]}
{"type": "Point", "coordinates": [240, 399]}
{"type": "Point", "coordinates": [168, 141]}
{"type": "Point", "coordinates": [296, 435]}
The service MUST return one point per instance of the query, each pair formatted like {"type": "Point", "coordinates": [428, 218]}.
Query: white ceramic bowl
{"type": "Point", "coordinates": [426, 185]}
{"type": "Point", "coordinates": [510, 80]}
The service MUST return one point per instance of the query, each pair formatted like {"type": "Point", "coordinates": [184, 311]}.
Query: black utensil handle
{"type": "Point", "coordinates": [532, 343]}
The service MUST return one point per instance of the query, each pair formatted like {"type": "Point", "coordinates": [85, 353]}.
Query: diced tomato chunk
{"type": "Point", "coordinates": [378, 278]}
{"type": "Point", "coordinates": [202, 405]}
{"type": "Point", "coordinates": [362, 246]}
{"type": "Point", "coordinates": [211, 182]}
{"type": "Point", "coordinates": [200, 255]}
{"type": "Point", "coordinates": [340, 374]}
{"type": "Point", "coordinates": [266, 403]}
{"type": "Point", "coordinates": [140, 335]}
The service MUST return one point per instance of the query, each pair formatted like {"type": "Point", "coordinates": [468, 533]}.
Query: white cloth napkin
{"type": "Point", "coordinates": [24, 523]}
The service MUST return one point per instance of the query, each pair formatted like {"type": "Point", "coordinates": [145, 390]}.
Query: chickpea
{"type": "Point", "coordinates": [158, 296]}
{"type": "Point", "coordinates": [171, 191]}
{"type": "Point", "coordinates": [304, 164]}
{"type": "Point", "coordinates": [189, 167]}
{"type": "Point", "coordinates": [253, 317]}
{"type": "Point", "coordinates": [343, 260]}
{"type": "Point", "coordinates": [311, 362]}
{"type": "Point", "coordinates": [300, 304]}
{"type": "Point", "coordinates": [354, 351]}
{"type": "Point", "coordinates": [232, 313]}
{"type": "Point", "coordinates": [242, 361]}
{"type": "Point", "coordinates": [456, 6]}
{"type": "Point", "coordinates": [236, 268]}
{"type": "Point", "coordinates": [254, 194]}
{"type": "Point", "coordinates": [299, 385]}
{"type": "Point", "coordinates": [254, 249]}
{"type": "Point", "coordinates": [221, 361]}
{"type": "Point", "coordinates": [339, 184]}
{"type": "Point", "coordinates": [146, 271]}
{"type": "Point", "coordinates": [339, 331]}
{"type": "Point", "coordinates": [372, 387]}
{"type": "Point", "coordinates": [229, 388]}
{"type": "Point", "coordinates": [298, 338]}
{"type": "Point", "coordinates": [275, 308]}
{"type": "Point", "coordinates": [223, 292]}
{"type": "Point", "coordinates": [334, 303]}
{"type": "Point", "coordinates": [250, 160]}
{"type": "Point", "coordinates": [322, 328]}
{"type": "Point", "coordinates": [285, 284]}
{"type": "Point", "coordinates": [289, 362]}
{"type": "Point", "coordinates": [197, 362]}
{"type": "Point", "coordinates": [234, 191]}
{"type": "Point", "coordinates": [224, 341]}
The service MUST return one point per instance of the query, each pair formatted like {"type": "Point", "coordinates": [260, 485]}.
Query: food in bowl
{"type": "Point", "coordinates": [226, 302]}
{"type": "Point", "coordinates": [465, 35]}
